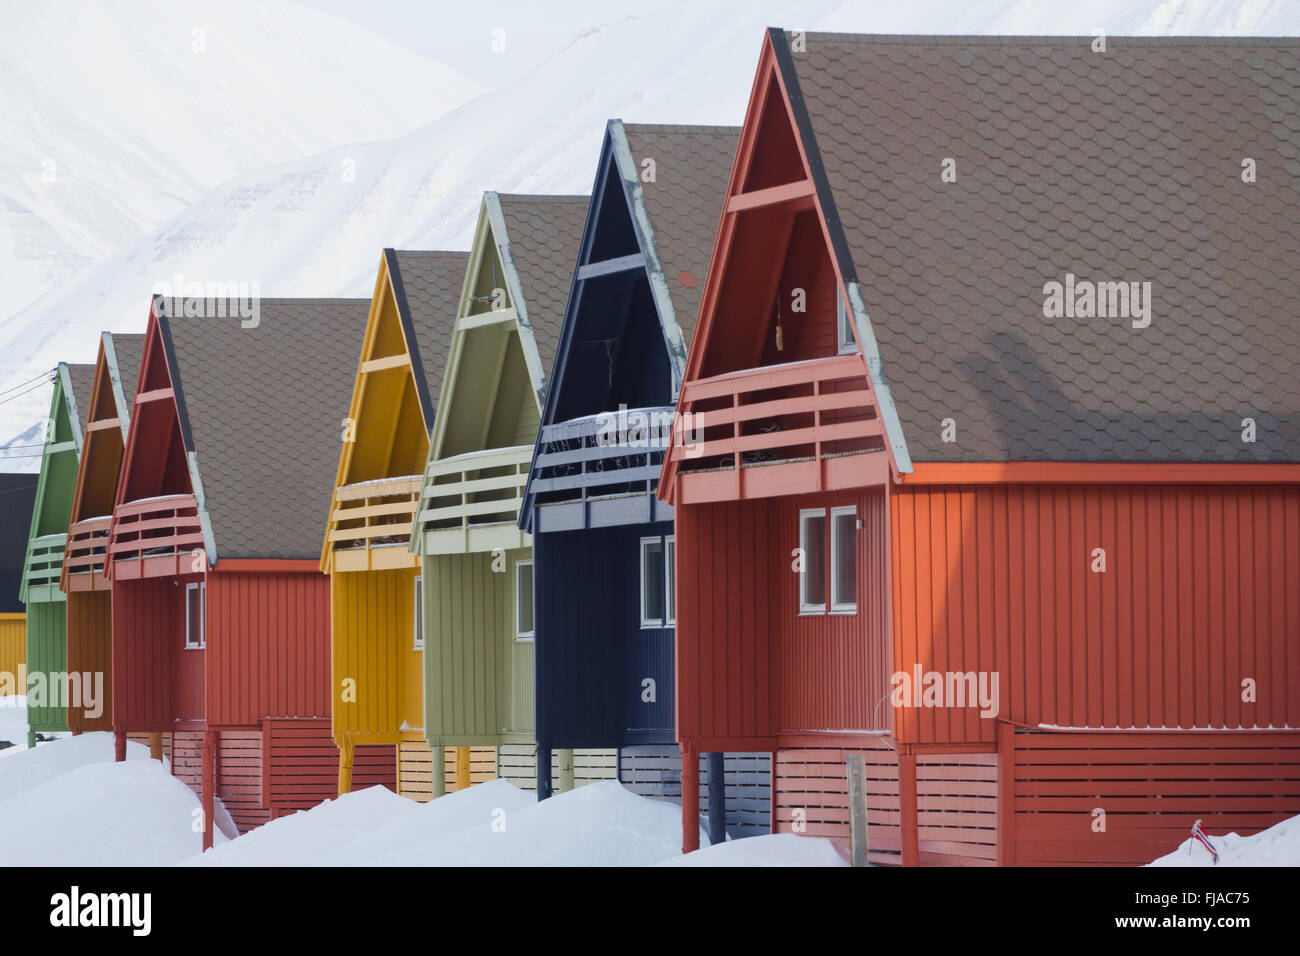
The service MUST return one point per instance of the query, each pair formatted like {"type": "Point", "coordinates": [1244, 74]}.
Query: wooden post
{"type": "Point", "coordinates": [155, 746]}
{"type": "Point", "coordinates": [856, 769]}
{"type": "Point", "coordinates": [908, 818]}
{"type": "Point", "coordinates": [566, 769]}
{"type": "Point", "coordinates": [438, 766]}
{"type": "Point", "coordinates": [31, 738]}
{"type": "Point", "coordinates": [208, 755]}
{"type": "Point", "coordinates": [462, 769]}
{"type": "Point", "coordinates": [119, 745]}
{"type": "Point", "coordinates": [1006, 794]}
{"type": "Point", "coordinates": [543, 772]}
{"type": "Point", "coordinates": [717, 799]}
{"type": "Point", "coordinates": [347, 753]}
{"type": "Point", "coordinates": [690, 800]}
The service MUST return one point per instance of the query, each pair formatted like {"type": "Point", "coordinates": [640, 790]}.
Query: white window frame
{"type": "Point", "coordinates": [844, 339]}
{"type": "Point", "coordinates": [670, 580]}
{"type": "Point", "coordinates": [841, 607]}
{"type": "Point", "coordinates": [804, 606]}
{"type": "Point", "coordinates": [202, 643]}
{"type": "Point", "coordinates": [417, 618]}
{"type": "Point", "coordinates": [646, 620]}
{"type": "Point", "coordinates": [524, 637]}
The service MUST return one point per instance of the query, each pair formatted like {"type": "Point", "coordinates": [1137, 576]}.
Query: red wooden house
{"type": "Point", "coordinates": [220, 612]}
{"type": "Point", "coordinates": [988, 458]}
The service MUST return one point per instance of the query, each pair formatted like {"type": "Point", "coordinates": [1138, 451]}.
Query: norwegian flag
{"type": "Point", "coordinates": [1198, 834]}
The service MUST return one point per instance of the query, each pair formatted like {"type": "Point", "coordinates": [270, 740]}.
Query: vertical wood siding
{"type": "Point", "coordinates": [518, 764]}
{"type": "Point", "coordinates": [148, 639]}
{"type": "Point", "coordinates": [373, 644]}
{"type": "Point", "coordinates": [467, 607]}
{"type": "Point", "coordinates": [268, 646]}
{"type": "Point", "coordinates": [1198, 595]}
{"type": "Point", "coordinates": [47, 654]}
{"type": "Point", "coordinates": [13, 649]}
{"type": "Point", "coordinates": [90, 650]}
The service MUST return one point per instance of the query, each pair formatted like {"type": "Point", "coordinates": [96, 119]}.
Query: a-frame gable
{"type": "Point", "coordinates": [780, 261]}
{"type": "Point", "coordinates": [159, 459]}
{"type": "Point", "coordinates": [494, 384]}
{"type": "Point", "coordinates": [108, 421]}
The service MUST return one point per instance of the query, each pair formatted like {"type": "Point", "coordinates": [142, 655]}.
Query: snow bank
{"type": "Point", "coordinates": [13, 723]}
{"type": "Point", "coordinates": [1279, 845]}
{"type": "Point", "coordinates": [775, 849]}
{"type": "Point", "coordinates": [66, 803]}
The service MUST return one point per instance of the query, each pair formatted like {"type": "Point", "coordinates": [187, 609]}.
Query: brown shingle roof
{"type": "Point", "coordinates": [544, 233]}
{"type": "Point", "coordinates": [265, 407]}
{"type": "Point", "coordinates": [129, 349]}
{"type": "Point", "coordinates": [429, 285]}
{"type": "Point", "coordinates": [82, 378]}
{"type": "Point", "coordinates": [1124, 165]}
{"type": "Point", "coordinates": [692, 165]}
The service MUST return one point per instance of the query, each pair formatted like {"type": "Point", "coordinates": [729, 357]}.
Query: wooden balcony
{"type": "Point", "coordinates": [42, 568]}
{"type": "Point", "coordinates": [155, 537]}
{"type": "Point", "coordinates": [601, 470]}
{"type": "Point", "coordinates": [470, 503]}
{"type": "Point", "coordinates": [370, 525]}
{"type": "Point", "coordinates": [83, 559]}
{"type": "Point", "coordinates": [779, 430]}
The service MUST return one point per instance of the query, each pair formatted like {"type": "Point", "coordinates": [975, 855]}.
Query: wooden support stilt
{"type": "Point", "coordinates": [565, 757]}
{"type": "Point", "coordinates": [855, 768]}
{"type": "Point", "coordinates": [690, 800]}
{"type": "Point", "coordinates": [119, 745]}
{"type": "Point", "coordinates": [462, 768]}
{"type": "Point", "coordinates": [438, 781]}
{"type": "Point", "coordinates": [908, 818]}
{"type": "Point", "coordinates": [209, 784]}
{"type": "Point", "coordinates": [717, 799]}
{"type": "Point", "coordinates": [155, 746]}
{"type": "Point", "coordinates": [543, 772]}
{"type": "Point", "coordinates": [347, 754]}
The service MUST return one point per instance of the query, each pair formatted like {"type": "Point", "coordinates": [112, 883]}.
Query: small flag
{"type": "Point", "coordinates": [1198, 834]}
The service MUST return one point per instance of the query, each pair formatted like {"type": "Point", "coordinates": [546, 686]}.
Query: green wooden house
{"type": "Point", "coordinates": [476, 565]}
{"type": "Point", "coordinates": [46, 603]}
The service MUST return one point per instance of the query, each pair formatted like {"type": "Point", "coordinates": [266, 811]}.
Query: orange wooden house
{"type": "Point", "coordinates": [988, 458]}
{"type": "Point", "coordinates": [221, 617]}
{"type": "Point", "coordinates": [89, 601]}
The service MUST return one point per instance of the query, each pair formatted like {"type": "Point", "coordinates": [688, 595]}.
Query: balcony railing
{"type": "Point", "coordinates": [155, 537]}
{"type": "Point", "coordinates": [601, 470]}
{"type": "Point", "coordinates": [83, 559]}
{"type": "Point", "coordinates": [371, 524]}
{"type": "Point", "coordinates": [43, 567]}
{"type": "Point", "coordinates": [779, 430]}
{"type": "Point", "coordinates": [471, 502]}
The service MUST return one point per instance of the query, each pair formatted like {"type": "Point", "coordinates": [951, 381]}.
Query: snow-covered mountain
{"type": "Point", "coordinates": [306, 173]}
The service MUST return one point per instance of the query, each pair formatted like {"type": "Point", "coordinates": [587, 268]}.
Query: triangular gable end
{"type": "Point", "coordinates": [107, 420]}
{"type": "Point", "coordinates": [54, 486]}
{"type": "Point", "coordinates": [159, 459]}
{"type": "Point", "coordinates": [386, 434]}
{"type": "Point", "coordinates": [780, 225]}
{"type": "Point", "coordinates": [494, 384]}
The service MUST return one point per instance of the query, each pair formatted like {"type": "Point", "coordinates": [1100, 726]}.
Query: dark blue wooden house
{"type": "Point", "coordinates": [603, 544]}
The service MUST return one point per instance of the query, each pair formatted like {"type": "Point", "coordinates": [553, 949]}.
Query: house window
{"type": "Point", "coordinates": [830, 567]}
{"type": "Point", "coordinates": [812, 575]}
{"type": "Point", "coordinates": [195, 599]}
{"type": "Point", "coordinates": [844, 327]}
{"type": "Point", "coordinates": [524, 601]}
{"type": "Point", "coordinates": [670, 573]}
{"type": "Point", "coordinates": [844, 560]}
{"type": "Point", "coordinates": [654, 605]}
{"type": "Point", "coordinates": [418, 616]}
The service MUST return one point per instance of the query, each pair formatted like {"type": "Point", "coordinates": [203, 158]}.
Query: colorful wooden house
{"type": "Point", "coordinates": [376, 647]}
{"type": "Point", "coordinates": [602, 542]}
{"type": "Point", "coordinates": [220, 613]}
{"type": "Point", "coordinates": [89, 594]}
{"type": "Point", "coordinates": [17, 493]}
{"type": "Point", "coordinates": [48, 687]}
{"type": "Point", "coordinates": [987, 469]}
{"type": "Point", "coordinates": [476, 565]}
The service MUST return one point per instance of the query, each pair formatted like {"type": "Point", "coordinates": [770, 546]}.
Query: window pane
{"type": "Point", "coordinates": [652, 581]}
{"type": "Point", "coordinates": [419, 612]}
{"type": "Point", "coordinates": [194, 615]}
{"type": "Point", "coordinates": [844, 560]}
{"type": "Point", "coordinates": [813, 541]}
{"type": "Point", "coordinates": [670, 567]}
{"type": "Point", "coordinates": [524, 597]}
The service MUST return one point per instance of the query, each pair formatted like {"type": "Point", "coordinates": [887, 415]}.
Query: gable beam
{"type": "Point", "coordinates": [609, 266]}
{"type": "Point", "coordinates": [797, 196]}
{"type": "Point", "coordinates": [389, 361]}
{"type": "Point", "coordinates": [103, 424]}
{"type": "Point", "coordinates": [157, 395]}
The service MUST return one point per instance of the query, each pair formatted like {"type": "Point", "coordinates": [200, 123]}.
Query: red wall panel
{"type": "Point", "coordinates": [147, 638]}
{"type": "Point", "coordinates": [90, 651]}
{"type": "Point", "coordinates": [1198, 594]}
{"type": "Point", "coordinates": [268, 646]}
